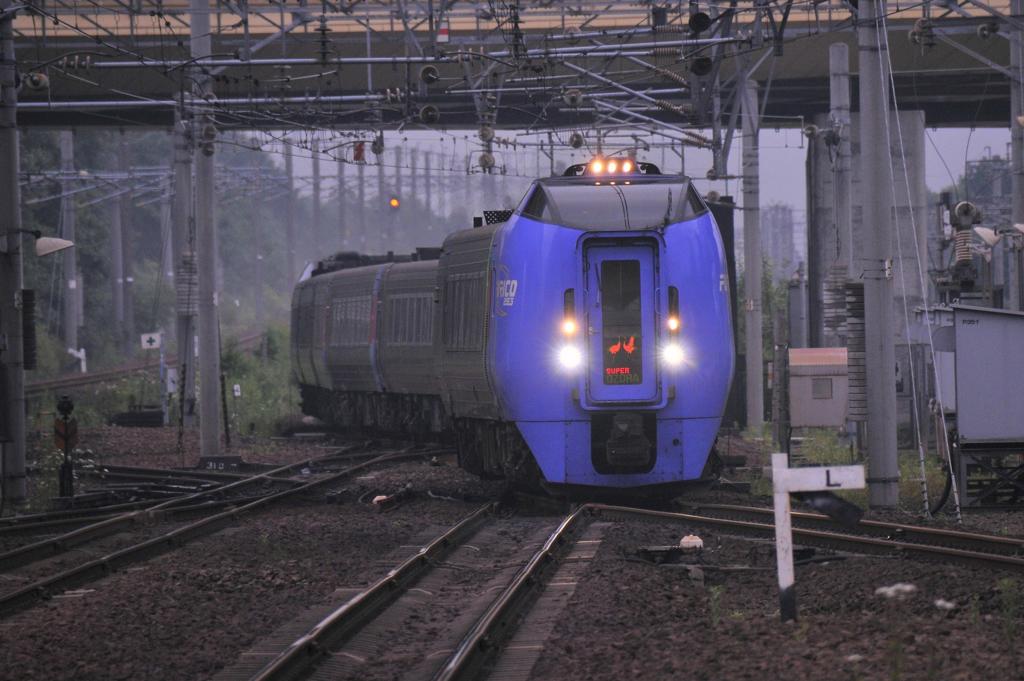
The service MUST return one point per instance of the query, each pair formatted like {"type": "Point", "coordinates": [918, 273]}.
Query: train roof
{"type": "Point", "coordinates": [612, 202]}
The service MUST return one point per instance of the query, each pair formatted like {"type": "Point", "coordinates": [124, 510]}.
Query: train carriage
{"type": "Point", "coordinates": [584, 343]}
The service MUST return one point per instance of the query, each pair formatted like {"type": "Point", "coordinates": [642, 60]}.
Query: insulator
{"type": "Point", "coordinates": [668, 28]}
{"type": "Point", "coordinates": [962, 246]}
{"type": "Point", "coordinates": [665, 51]}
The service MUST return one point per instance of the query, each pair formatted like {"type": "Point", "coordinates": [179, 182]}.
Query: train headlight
{"type": "Point", "coordinates": [627, 166]}
{"type": "Point", "coordinates": [569, 326]}
{"type": "Point", "coordinates": [597, 166]}
{"type": "Point", "coordinates": [674, 355]}
{"type": "Point", "coordinates": [613, 166]}
{"type": "Point", "coordinates": [673, 323]}
{"type": "Point", "coordinates": [570, 357]}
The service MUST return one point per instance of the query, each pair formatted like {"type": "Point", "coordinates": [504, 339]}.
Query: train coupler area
{"type": "Point", "coordinates": [623, 442]}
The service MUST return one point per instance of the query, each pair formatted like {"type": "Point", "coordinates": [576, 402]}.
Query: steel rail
{"type": "Point", "coordinates": [829, 540]}
{"type": "Point", "coordinates": [101, 567]}
{"type": "Point", "coordinates": [496, 624]}
{"type": "Point", "coordinates": [303, 654]}
{"type": "Point", "coordinates": [984, 543]}
{"type": "Point", "coordinates": [55, 545]}
{"type": "Point", "coordinates": [61, 524]}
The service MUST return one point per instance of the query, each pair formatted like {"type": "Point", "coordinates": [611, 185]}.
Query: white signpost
{"type": "Point", "coordinates": [152, 341]}
{"type": "Point", "coordinates": [786, 480]}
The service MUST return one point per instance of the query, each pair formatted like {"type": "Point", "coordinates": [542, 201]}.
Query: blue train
{"type": "Point", "coordinates": [581, 341]}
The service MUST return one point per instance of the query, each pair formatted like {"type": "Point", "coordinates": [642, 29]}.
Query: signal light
{"type": "Point", "coordinates": [394, 202]}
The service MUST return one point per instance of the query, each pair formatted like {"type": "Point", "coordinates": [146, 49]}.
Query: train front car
{"type": "Point", "coordinates": [612, 346]}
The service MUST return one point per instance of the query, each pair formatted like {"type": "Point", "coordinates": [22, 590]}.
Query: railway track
{"type": "Point", "coordinates": [43, 587]}
{"type": "Point", "coordinates": [471, 580]}
{"type": "Point", "coordinates": [899, 532]}
{"type": "Point", "coordinates": [247, 341]}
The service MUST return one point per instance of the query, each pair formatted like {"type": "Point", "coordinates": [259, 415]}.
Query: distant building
{"type": "Point", "coordinates": [783, 236]}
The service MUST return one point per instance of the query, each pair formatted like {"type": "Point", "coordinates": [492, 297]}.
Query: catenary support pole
{"type": "Point", "coordinates": [12, 368]}
{"type": "Point", "coordinates": [291, 264]}
{"type": "Point", "coordinates": [880, 353]}
{"type": "Point", "coordinates": [752, 256]}
{"type": "Point", "coordinates": [428, 183]}
{"type": "Point", "coordinates": [359, 240]}
{"type": "Point", "coordinates": [68, 211]}
{"type": "Point", "coordinates": [320, 248]}
{"type": "Point", "coordinates": [186, 284]}
{"type": "Point", "coordinates": [1015, 285]}
{"type": "Point", "coordinates": [340, 234]}
{"type": "Point", "coordinates": [206, 256]}
{"type": "Point", "coordinates": [127, 228]}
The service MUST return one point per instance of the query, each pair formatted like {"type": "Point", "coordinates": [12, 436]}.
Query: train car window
{"type": "Point", "coordinates": [409, 319]}
{"type": "Point", "coordinates": [350, 321]}
{"type": "Point", "coordinates": [620, 321]}
{"type": "Point", "coordinates": [603, 206]}
{"type": "Point", "coordinates": [463, 311]}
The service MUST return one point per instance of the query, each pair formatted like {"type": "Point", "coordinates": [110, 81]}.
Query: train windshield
{"type": "Point", "coordinates": [603, 206]}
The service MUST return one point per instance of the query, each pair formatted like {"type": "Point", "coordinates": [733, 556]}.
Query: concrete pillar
{"type": "Point", "coordinates": [1015, 283]}
{"type": "Point", "coordinates": [206, 255]}
{"type": "Point", "coordinates": [185, 276]}
{"type": "Point", "coordinates": [12, 367]}
{"type": "Point", "coordinates": [834, 295]}
{"type": "Point", "coordinates": [752, 257]}
{"type": "Point", "coordinates": [880, 360]}
{"type": "Point", "coordinates": [69, 299]}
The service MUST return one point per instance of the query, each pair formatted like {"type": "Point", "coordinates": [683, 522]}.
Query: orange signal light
{"type": "Point", "coordinates": [394, 203]}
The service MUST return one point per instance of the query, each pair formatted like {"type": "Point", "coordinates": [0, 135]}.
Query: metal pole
{"type": "Point", "coordinates": [12, 368]}
{"type": "Point", "coordinates": [1016, 44]}
{"type": "Point", "coordinates": [185, 284]}
{"type": "Point", "coordinates": [127, 301]}
{"type": "Point", "coordinates": [70, 265]}
{"type": "Point", "coordinates": [209, 357]}
{"type": "Point", "coordinates": [117, 269]}
{"type": "Point", "coordinates": [360, 242]}
{"type": "Point", "coordinates": [341, 234]}
{"type": "Point", "coordinates": [384, 240]}
{"type": "Point", "coordinates": [880, 353]}
{"type": "Point", "coordinates": [289, 217]}
{"type": "Point", "coordinates": [428, 181]}
{"type": "Point", "coordinates": [752, 257]}
{"type": "Point", "coordinates": [842, 264]}
{"type": "Point", "coordinates": [318, 228]}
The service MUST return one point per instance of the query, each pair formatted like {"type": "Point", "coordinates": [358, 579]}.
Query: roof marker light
{"type": "Point", "coordinates": [613, 166]}
{"type": "Point", "coordinates": [597, 166]}
{"type": "Point", "coordinates": [627, 166]}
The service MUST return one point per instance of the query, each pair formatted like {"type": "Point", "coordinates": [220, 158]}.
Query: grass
{"type": "Point", "coordinates": [823, 447]}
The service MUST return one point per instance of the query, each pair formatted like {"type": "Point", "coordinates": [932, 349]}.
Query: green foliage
{"type": "Point", "coordinates": [1009, 607]}
{"type": "Point", "coordinates": [268, 392]}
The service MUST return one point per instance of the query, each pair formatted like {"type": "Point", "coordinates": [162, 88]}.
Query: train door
{"type": "Point", "coordinates": [621, 323]}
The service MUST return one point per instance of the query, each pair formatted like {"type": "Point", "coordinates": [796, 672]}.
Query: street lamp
{"type": "Point", "coordinates": [45, 245]}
